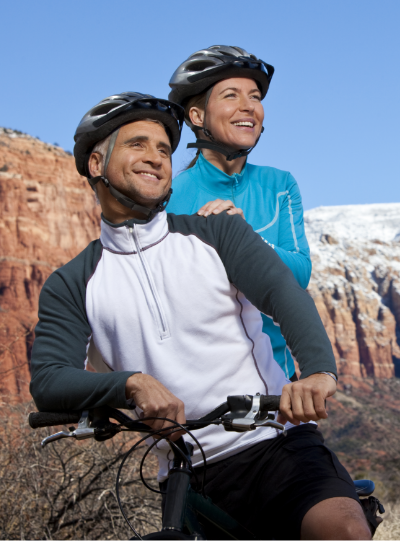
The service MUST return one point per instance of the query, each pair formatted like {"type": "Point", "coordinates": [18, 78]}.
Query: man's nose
{"type": "Point", "coordinates": [153, 156]}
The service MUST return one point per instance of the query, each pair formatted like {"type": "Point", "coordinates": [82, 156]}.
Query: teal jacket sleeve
{"type": "Point", "coordinates": [293, 246]}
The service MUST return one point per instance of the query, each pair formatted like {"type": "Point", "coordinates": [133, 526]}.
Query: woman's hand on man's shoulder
{"type": "Point", "coordinates": [219, 205]}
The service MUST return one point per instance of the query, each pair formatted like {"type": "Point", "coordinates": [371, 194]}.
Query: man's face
{"type": "Point", "coordinates": [140, 164]}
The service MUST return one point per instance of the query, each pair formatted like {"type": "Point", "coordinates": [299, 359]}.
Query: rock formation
{"type": "Point", "coordinates": [356, 284]}
{"type": "Point", "coordinates": [48, 215]}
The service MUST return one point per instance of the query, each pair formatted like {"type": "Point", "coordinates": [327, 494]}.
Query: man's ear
{"type": "Point", "coordinates": [196, 116]}
{"type": "Point", "coordinates": [95, 164]}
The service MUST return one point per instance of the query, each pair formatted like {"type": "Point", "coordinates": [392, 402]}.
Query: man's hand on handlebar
{"type": "Point", "coordinates": [156, 401]}
{"type": "Point", "coordinates": [304, 400]}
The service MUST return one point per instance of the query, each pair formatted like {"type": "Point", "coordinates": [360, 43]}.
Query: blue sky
{"type": "Point", "coordinates": [332, 113]}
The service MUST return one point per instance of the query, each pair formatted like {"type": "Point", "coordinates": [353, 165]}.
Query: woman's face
{"type": "Point", "coordinates": [235, 113]}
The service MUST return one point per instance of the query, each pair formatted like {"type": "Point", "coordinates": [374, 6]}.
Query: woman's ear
{"type": "Point", "coordinates": [196, 116]}
{"type": "Point", "coordinates": [95, 164]}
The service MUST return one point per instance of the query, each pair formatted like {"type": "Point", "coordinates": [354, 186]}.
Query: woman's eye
{"type": "Point", "coordinates": [256, 97]}
{"type": "Point", "coordinates": [230, 95]}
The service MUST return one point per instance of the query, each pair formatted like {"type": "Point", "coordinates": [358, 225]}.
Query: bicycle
{"type": "Point", "coordinates": [188, 513]}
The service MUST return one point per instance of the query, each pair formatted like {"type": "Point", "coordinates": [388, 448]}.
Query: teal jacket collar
{"type": "Point", "coordinates": [218, 183]}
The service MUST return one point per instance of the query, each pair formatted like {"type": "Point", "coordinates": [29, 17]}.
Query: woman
{"type": "Point", "coordinates": [221, 89]}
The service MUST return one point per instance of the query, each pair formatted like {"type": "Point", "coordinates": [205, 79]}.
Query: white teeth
{"type": "Point", "coordinates": [149, 175]}
{"type": "Point", "coordinates": [248, 124]}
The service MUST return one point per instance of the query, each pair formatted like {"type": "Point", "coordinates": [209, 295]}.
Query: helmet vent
{"type": "Point", "coordinates": [104, 109]}
{"type": "Point", "coordinates": [200, 66]}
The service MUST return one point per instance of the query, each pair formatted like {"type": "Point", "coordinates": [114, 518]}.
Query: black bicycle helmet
{"type": "Point", "coordinates": [114, 111]}
{"type": "Point", "coordinates": [208, 66]}
{"type": "Point", "coordinates": [203, 69]}
{"type": "Point", "coordinates": [107, 117]}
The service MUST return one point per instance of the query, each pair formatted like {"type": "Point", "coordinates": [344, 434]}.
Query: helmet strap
{"type": "Point", "coordinates": [229, 153]}
{"type": "Point", "coordinates": [120, 197]}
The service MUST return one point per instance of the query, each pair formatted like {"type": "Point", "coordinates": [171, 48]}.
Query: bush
{"type": "Point", "coordinates": [67, 490]}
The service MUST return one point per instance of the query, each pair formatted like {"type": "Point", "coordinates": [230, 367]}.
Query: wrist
{"type": "Point", "coordinates": [132, 385]}
{"type": "Point", "coordinates": [331, 374]}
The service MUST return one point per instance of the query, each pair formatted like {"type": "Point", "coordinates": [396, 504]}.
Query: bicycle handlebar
{"type": "Point", "coordinates": [44, 418]}
{"type": "Point", "coordinates": [270, 403]}
{"type": "Point", "coordinates": [47, 419]}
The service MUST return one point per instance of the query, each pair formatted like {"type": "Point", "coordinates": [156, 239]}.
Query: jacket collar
{"type": "Point", "coordinates": [120, 237]}
{"type": "Point", "coordinates": [216, 182]}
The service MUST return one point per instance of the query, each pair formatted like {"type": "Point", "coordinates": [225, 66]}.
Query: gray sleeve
{"type": "Point", "coordinates": [59, 381]}
{"type": "Point", "coordinates": [260, 274]}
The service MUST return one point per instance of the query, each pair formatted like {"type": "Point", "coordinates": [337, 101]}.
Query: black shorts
{"type": "Point", "coordinates": [269, 487]}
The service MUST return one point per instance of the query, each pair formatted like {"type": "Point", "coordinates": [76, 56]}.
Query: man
{"type": "Point", "coordinates": [168, 308]}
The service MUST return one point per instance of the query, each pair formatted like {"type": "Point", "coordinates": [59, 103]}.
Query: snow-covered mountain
{"type": "Point", "coordinates": [356, 283]}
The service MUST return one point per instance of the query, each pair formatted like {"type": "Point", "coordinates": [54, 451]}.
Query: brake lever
{"type": "Point", "coordinates": [251, 420]}
{"type": "Point", "coordinates": [83, 431]}
{"type": "Point", "coordinates": [272, 424]}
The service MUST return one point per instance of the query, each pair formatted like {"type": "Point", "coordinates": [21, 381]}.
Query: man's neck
{"type": "Point", "coordinates": [119, 217]}
{"type": "Point", "coordinates": [220, 161]}
{"type": "Point", "coordinates": [115, 212]}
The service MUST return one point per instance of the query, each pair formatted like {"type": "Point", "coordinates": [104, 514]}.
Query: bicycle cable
{"type": "Point", "coordinates": [153, 433]}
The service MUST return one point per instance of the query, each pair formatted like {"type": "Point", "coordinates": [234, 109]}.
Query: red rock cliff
{"type": "Point", "coordinates": [48, 215]}
{"type": "Point", "coordinates": [356, 284]}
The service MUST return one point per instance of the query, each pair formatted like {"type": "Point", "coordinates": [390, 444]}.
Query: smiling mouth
{"type": "Point", "coordinates": [148, 174]}
{"type": "Point", "coordinates": [245, 124]}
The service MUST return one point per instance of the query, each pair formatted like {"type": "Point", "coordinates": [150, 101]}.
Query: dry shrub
{"type": "Point", "coordinates": [67, 490]}
{"type": "Point", "coordinates": [390, 527]}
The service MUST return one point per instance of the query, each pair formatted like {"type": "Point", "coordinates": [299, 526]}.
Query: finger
{"type": "Point", "coordinates": [319, 406]}
{"type": "Point", "coordinates": [297, 404]}
{"type": "Point", "coordinates": [223, 205]}
{"type": "Point", "coordinates": [208, 207]}
{"type": "Point", "coordinates": [308, 406]}
{"type": "Point", "coordinates": [285, 408]}
{"type": "Point", "coordinates": [282, 418]}
{"type": "Point", "coordinates": [236, 210]}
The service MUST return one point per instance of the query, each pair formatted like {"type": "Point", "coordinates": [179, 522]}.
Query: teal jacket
{"type": "Point", "coordinates": [271, 203]}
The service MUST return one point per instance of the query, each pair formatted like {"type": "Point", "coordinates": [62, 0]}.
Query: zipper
{"type": "Point", "coordinates": [161, 321]}
{"type": "Point", "coordinates": [234, 184]}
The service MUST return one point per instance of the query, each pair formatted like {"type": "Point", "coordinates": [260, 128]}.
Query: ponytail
{"type": "Point", "coordinates": [192, 163]}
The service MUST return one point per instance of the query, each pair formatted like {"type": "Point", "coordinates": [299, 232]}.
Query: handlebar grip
{"type": "Point", "coordinates": [42, 419]}
{"type": "Point", "coordinates": [270, 402]}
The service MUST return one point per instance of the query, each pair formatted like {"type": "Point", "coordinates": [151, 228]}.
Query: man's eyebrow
{"type": "Point", "coordinates": [136, 139]}
{"type": "Point", "coordinates": [140, 138]}
{"type": "Point", "coordinates": [237, 90]}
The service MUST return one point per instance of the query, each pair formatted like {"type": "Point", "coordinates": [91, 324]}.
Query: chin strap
{"type": "Point", "coordinates": [120, 197]}
{"type": "Point", "coordinates": [130, 203]}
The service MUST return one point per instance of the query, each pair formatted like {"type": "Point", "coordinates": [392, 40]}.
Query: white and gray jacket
{"type": "Point", "coordinates": [177, 298]}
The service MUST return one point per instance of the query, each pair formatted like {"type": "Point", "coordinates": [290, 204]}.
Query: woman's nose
{"type": "Point", "coordinates": [246, 104]}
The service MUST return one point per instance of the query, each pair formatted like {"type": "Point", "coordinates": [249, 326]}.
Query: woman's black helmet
{"type": "Point", "coordinates": [208, 66]}
{"type": "Point", "coordinates": [117, 110]}
{"type": "Point", "coordinates": [202, 70]}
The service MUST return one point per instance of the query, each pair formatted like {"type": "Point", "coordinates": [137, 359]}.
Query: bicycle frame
{"type": "Point", "coordinates": [186, 509]}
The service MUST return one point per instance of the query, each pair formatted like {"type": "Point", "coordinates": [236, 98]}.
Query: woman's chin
{"type": "Point", "coordinates": [241, 142]}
